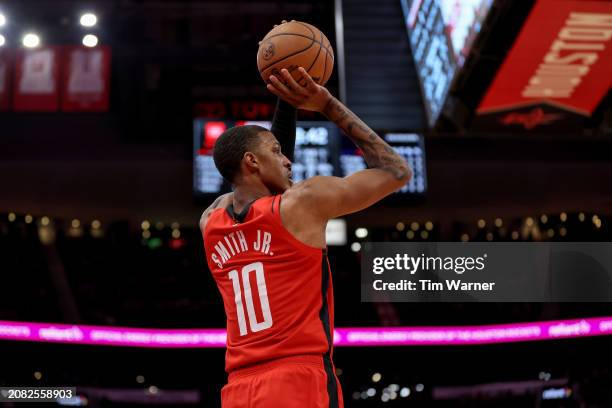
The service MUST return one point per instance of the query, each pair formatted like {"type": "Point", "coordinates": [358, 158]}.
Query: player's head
{"type": "Point", "coordinates": [251, 154]}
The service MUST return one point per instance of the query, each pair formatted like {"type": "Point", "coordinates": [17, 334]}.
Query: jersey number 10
{"type": "Point", "coordinates": [256, 326]}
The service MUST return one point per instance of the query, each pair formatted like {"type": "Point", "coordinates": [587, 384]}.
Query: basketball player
{"type": "Point", "coordinates": [265, 246]}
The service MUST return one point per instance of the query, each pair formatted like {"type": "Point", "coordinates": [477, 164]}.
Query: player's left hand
{"type": "Point", "coordinates": [310, 96]}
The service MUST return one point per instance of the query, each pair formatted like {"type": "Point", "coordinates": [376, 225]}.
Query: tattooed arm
{"type": "Point", "coordinates": [376, 152]}
{"type": "Point", "coordinates": [329, 197]}
{"type": "Point", "coordinates": [333, 196]}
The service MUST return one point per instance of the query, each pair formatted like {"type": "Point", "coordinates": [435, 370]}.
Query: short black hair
{"type": "Point", "coordinates": [231, 146]}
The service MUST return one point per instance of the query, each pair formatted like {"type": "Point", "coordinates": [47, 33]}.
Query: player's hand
{"type": "Point", "coordinates": [309, 96]}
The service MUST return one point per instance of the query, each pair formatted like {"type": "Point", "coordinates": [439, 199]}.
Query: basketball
{"type": "Point", "coordinates": [292, 45]}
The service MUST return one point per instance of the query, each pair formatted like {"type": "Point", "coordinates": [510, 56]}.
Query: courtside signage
{"type": "Point", "coordinates": [350, 336]}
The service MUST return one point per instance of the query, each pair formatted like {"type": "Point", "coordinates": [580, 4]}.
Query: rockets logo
{"type": "Point", "coordinates": [530, 120]}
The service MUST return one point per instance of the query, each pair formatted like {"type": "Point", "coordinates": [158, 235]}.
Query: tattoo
{"type": "Point", "coordinates": [377, 153]}
{"type": "Point", "coordinates": [215, 203]}
{"type": "Point", "coordinates": [327, 104]}
{"type": "Point", "coordinates": [213, 206]}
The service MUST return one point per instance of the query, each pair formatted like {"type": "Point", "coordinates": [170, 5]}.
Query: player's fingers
{"type": "Point", "coordinates": [310, 84]}
{"type": "Point", "coordinates": [279, 85]}
{"type": "Point", "coordinates": [281, 95]}
{"type": "Point", "coordinates": [292, 84]}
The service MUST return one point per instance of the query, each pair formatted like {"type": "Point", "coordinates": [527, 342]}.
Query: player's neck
{"type": "Point", "coordinates": [244, 194]}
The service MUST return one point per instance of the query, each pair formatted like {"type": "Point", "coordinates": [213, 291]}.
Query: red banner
{"type": "Point", "coordinates": [562, 58]}
{"type": "Point", "coordinates": [86, 79]}
{"type": "Point", "coordinates": [36, 86]}
{"type": "Point", "coordinates": [5, 79]}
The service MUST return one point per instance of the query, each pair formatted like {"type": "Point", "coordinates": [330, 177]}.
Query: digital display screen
{"type": "Point", "coordinates": [463, 20]}
{"type": "Point", "coordinates": [320, 149]}
{"type": "Point", "coordinates": [441, 33]}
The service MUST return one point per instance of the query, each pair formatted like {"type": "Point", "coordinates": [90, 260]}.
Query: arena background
{"type": "Point", "coordinates": [98, 213]}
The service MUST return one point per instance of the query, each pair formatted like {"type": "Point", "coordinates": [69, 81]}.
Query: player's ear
{"type": "Point", "coordinates": [251, 161]}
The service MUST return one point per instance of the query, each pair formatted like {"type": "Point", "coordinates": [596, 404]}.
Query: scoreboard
{"type": "Point", "coordinates": [441, 35]}
{"type": "Point", "coordinates": [320, 149]}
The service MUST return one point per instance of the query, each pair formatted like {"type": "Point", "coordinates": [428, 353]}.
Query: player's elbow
{"type": "Point", "coordinates": [402, 175]}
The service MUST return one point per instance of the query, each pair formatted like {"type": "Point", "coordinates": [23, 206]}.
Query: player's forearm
{"type": "Point", "coordinates": [376, 152]}
{"type": "Point", "coordinates": [283, 127]}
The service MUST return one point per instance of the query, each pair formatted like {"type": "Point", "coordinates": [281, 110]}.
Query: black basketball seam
{"type": "Point", "coordinates": [298, 35]}
{"type": "Point", "coordinates": [308, 28]}
{"type": "Point", "coordinates": [301, 35]}
{"type": "Point", "coordinates": [317, 57]}
{"type": "Point", "coordinates": [313, 39]}
{"type": "Point", "coordinates": [285, 57]}
{"type": "Point", "coordinates": [324, 67]}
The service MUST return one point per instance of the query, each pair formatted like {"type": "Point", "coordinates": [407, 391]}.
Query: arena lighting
{"type": "Point", "coordinates": [88, 20]}
{"type": "Point", "coordinates": [361, 232]}
{"type": "Point", "coordinates": [90, 40]}
{"type": "Point", "coordinates": [2, 40]}
{"type": "Point", "coordinates": [31, 40]}
{"type": "Point", "coordinates": [2, 20]}
{"type": "Point", "coordinates": [343, 337]}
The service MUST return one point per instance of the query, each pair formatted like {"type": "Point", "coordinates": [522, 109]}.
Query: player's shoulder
{"type": "Point", "coordinates": [308, 193]}
{"type": "Point", "coordinates": [220, 202]}
{"type": "Point", "coordinates": [311, 187]}
{"type": "Point", "coordinates": [306, 186]}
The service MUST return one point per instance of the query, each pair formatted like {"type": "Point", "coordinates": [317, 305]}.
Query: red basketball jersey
{"type": "Point", "coordinates": [277, 291]}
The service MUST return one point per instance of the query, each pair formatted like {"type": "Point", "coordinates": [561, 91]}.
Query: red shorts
{"type": "Point", "coordinates": [291, 382]}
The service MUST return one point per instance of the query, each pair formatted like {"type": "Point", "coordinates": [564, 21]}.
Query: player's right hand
{"type": "Point", "coordinates": [311, 96]}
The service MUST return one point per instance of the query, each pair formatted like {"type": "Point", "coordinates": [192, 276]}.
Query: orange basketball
{"type": "Point", "coordinates": [292, 45]}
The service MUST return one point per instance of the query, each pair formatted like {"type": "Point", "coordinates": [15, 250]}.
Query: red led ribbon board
{"type": "Point", "coordinates": [86, 79]}
{"type": "Point", "coordinates": [36, 85]}
{"type": "Point", "coordinates": [558, 70]}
